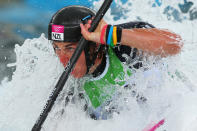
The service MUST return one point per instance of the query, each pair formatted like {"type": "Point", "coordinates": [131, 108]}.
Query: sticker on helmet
{"type": "Point", "coordinates": [58, 32]}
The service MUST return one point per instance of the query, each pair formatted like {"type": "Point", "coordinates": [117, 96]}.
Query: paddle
{"type": "Point", "coordinates": [60, 84]}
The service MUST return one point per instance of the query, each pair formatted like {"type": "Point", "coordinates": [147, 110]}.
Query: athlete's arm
{"type": "Point", "coordinates": [153, 40]}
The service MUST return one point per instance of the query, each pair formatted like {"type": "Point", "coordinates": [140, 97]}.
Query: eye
{"type": "Point", "coordinates": [71, 49]}
{"type": "Point", "coordinates": [56, 48]}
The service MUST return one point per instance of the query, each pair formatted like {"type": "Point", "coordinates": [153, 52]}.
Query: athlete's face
{"type": "Point", "coordinates": [64, 51]}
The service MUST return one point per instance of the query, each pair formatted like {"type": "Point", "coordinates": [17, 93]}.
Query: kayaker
{"type": "Point", "coordinates": [102, 57]}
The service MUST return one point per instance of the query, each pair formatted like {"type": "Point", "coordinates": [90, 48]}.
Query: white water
{"type": "Point", "coordinates": [172, 98]}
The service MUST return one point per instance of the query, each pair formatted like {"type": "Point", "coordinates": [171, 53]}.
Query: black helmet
{"type": "Point", "coordinates": [64, 25]}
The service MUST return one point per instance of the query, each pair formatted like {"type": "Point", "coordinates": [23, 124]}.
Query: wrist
{"type": "Point", "coordinates": [113, 35]}
{"type": "Point", "coordinates": [102, 34]}
{"type": "Point", "coordinates": [110, 35]}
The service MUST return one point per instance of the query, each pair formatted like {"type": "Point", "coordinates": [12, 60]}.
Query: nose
{"type": "Point", "coordinates": [59, 52]}
{"type": "Point", "coordinates": [64, 59]}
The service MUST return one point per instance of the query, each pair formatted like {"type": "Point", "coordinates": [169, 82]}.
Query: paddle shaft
{"type": "Point", "coordinates": [62, 80]}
